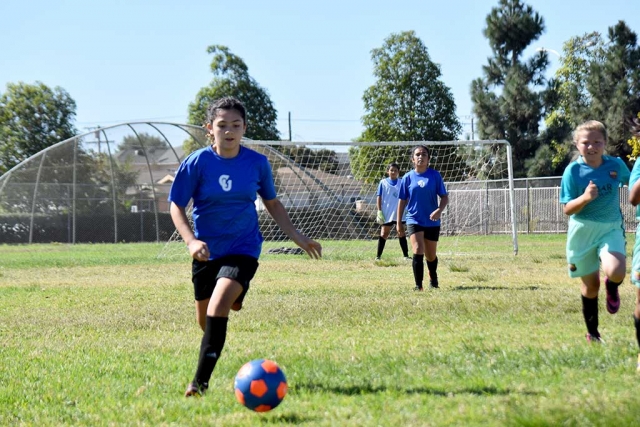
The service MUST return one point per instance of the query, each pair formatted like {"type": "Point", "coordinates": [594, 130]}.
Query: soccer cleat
{"type": "Point", "coordinates": [418, 288]}
{"type": "Point", "coordinates": [408, 258]}
{"type": "Point", "coordinates": [613, 297]}
{"type": "Point", "coordinates": [377, 258]}
{"type": "Point", "coordinates": [594, 339]}
{"type": "Point", "coordinates": [195, 389]}
{"type": "Point", "coordinates": [433, 284]}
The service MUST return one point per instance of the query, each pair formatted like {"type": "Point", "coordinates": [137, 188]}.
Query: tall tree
{"type": "Point", "coordinates": [614, 85]}
{"type": "Point", "coordinates": [32, 118]}
{"type": "Point", "coordinates": [231, 78]}
{"type": "Point", "coordinates": [505, 100]}
{"type": "Point", "coordinates": [408, 102]}
{"type": "Point", "coordinates": [597, 80]}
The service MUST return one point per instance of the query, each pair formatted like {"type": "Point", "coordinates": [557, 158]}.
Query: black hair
{"type": "Point", "coordinates": [393, 165]}
{"type": "Point", "coordinates": [226, 103]}
{"type": "Point", "coordinates": [421, 146]}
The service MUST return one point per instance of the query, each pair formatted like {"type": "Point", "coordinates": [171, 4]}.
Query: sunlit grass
{"type": "Point", "coordinates": [106, 335]}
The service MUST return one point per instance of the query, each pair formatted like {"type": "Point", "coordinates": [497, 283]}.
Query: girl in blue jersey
{"type": "Point", "coordinates": [387, 203]}
{"type": "Point", "coordinates": [634, 198]}
{"type": "Point", "coordinates": [223, 180]}
{"type": "Point", "coordinates": [423, 194]}
{"type": "Point", "coordinates": [595, 238]}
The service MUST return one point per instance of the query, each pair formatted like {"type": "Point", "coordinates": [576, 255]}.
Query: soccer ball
{"type": "Point", "coordinates": [260, 385]}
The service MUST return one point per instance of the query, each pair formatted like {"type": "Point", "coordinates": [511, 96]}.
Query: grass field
{"type": "Point", "coordinates": [105, 335]}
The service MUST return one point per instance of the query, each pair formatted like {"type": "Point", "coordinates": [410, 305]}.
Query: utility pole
{"type": "Point", "coordinates": [289, 125]}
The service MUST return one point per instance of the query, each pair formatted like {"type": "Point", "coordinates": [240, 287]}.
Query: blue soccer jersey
{"type": "Point", "coordinates": [421, 190]}
{"type": "Point", "coordinates": [388, 191]}
{"type": "Point", "coordinates": [224, 192]}
{"type": "Point", "coordinates": [612, 174]}
{"type": "Point", "coordinates": [635, 174]}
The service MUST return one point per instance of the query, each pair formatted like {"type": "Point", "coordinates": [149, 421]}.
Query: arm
{"type": "Point", "coordinates": [576, 205]}
{"type": "Point", "coordinates": [634, 194]}
{"type": "Point", "coordinates": [379, 215]}
{"type": "Point", "coordinates": [402, 204]}
{"type": "Point", "coordinates": [197, 248]}
{"type": "Point", "coordinates": [281, 217]}
{"type": "Point", "coordinates": [444, 201]}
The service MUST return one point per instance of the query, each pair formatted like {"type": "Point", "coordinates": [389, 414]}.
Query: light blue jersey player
{"type": "Point", "coordinates": [223, 180]}
{"type": "Point", "coordinates": [387, 204]}
{"type": "Point", "coordinates": [595, 237]}
{"type": "Point", "coordinates": [634, 199]}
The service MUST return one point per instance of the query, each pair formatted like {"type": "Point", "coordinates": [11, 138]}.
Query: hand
{"type": "Point", "coordinates": [198, 250]}
{"type": "Point", "coordinates": [311, 247]}
{"type": "Point", "coordinates": [435, 215]}
{"type": "Point", "coordinates": [380, 218]}
{"type": "Point", "coordinates": [591, 192]}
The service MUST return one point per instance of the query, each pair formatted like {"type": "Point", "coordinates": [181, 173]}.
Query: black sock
{"type": "Point", "coordinates": [433, 269]}
{"type": "Point", "coordinates": [610, 284]}
{"type": "Point", "coordinates": [418, 269]}
{"type": "Point", "coordinates": [215, 334]}
{"type": "Point", "coordinates": [403, 246]}
{"type": "Point", "coordinates": [590, 313]}
{"type": "Point", "coordinates": [636, 321]}
{"type": "Point", "coordinates": [381, 242]}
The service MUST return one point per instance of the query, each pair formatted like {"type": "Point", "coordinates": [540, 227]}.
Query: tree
{"type": "Point", "coordinates": [596, 80]}
{"type": "Point", "coordinates": [408, 102]}
{"type": "Point", "coordinates": [505, 102]}
{"type": "Point", "coordinates": [614, 85]}
{"type": "Point", "coordinates": [32, 118]}
{"type": "Point", "coordinates": [231, 78]}
{"type": "Point", "coordinates": [143, 140]}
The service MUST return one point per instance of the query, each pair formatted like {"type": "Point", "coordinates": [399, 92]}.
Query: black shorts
{"type": "Point", "coordinates": [205, 275]}
{"type": "Point", "coordinates": [390, 223]}
{"type": "Point", "coordinates": [430, 233]}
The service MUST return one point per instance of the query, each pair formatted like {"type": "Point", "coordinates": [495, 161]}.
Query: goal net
{"type": "Point", "coordinates": [329, 191]}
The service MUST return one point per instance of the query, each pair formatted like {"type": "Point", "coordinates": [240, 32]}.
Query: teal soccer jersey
{"type": "Point", "coordinates": [609, 177]}
{"type": "Point", "coordinates": [224, 192]}
{"type": "Point", "coordinates": [635, 265]}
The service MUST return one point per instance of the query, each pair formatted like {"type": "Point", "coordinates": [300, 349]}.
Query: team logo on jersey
{"type": "Point", "coordinates": [613, 174]}
{"type": "Point", "coordinates": [421, 183]}
{"type": "Point", "coordinates": [225, 182]}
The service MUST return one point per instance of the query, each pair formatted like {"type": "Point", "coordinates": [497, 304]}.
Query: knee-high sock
{"type": "Point", "coordinates": [590, 313]}
{"type": "Point", "coordinates": [418, 269]}
{"type": "Point", "coordinates": [433, 269]}
{"type": "Point", "coordinates": [403, 246]}
{"type": "Point", "coordinates": [215, 334]}
{"type": "Point", "coordinates": [636, 321]}
{"type": "Point", "coordinates": [381, 243]}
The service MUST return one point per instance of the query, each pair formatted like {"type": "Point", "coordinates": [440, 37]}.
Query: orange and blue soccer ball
{"type": "Point", "coordinates": [260, 385]}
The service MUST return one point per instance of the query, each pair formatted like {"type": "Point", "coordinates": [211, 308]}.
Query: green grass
{"type": "Point", "coordinates": [95, 335]}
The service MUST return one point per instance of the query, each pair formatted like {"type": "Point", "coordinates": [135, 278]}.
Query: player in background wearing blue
{"type": "Point", "coordinates": [423, 194]}
{"type": "Point", "coordinates": [387, 203]}
{"type": "Point", "coordinates": [223, 180]}
{"type": "Point", "coordinates": [595, 237]}
{"type": "Point", "coordinates": [634, 198]}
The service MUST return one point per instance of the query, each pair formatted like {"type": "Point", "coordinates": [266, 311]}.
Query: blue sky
{"type": "Point", "coordinates": [125, 60]}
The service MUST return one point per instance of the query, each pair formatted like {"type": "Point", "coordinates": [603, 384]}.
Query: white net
{"type": "Point", "coordinates": [329, 191]}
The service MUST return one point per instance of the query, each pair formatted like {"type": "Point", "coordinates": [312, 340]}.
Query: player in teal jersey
{"type": "Point", "coordinates": [387, 204]}
{"type": "Point", "coordinates": [424, 195]}
{"type": "Point", "coordinates": [634, 198]}
{"type": "Point", "coordinates": [595, 238]}
{"type": "Point", "coordinates": [223, 180]}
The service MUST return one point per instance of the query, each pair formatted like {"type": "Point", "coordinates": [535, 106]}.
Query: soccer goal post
{"type": "Point", "coordinates": [329, 190]}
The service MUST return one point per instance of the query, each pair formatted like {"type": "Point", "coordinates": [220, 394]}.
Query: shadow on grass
{"type": "Point", "coordinates": [290, 418]}
{"type": "Point", "coordinates": [369, 389]}
{"type": "Point", "coordinates": [495, 288]}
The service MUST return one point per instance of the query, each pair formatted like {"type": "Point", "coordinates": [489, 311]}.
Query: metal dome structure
{"type": "Point", "coordinates": [108, 185]}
